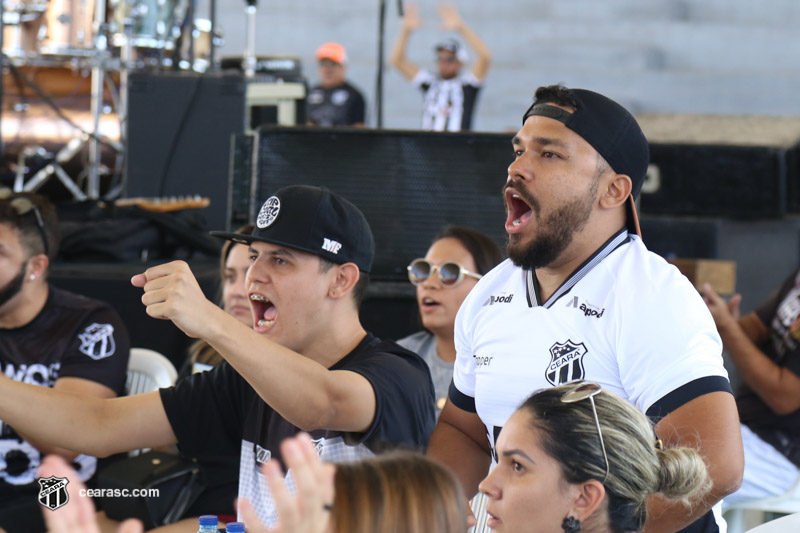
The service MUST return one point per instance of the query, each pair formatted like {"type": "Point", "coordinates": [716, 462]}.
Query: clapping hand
{"type": "Point", "coordinates": [451, 20]}
{"type": "Point", "coordinates": [411, 18]}
{"type": "Point", "coordinates": [724, 313]}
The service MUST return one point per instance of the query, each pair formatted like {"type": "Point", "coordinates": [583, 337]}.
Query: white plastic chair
{"type": "Point", "coordinates": [787, 503]}
{"type": "Point", "coordinates": [785, 524]}
{"type": "Point", "coordinates": [148, 371]}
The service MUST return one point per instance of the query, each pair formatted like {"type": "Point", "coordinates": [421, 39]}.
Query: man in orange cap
{"type": "Point", "coordinates": [334, 102]}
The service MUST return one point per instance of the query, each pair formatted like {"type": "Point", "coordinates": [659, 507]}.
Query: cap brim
{"type": "Point", "coordinates": [241, 238]}
{"type": "Point", "coordinates": [335, 60]}
{"type": "Point", "coordinates": [633, 217]}
{"type": "Point", "coordinates": [247, 239]}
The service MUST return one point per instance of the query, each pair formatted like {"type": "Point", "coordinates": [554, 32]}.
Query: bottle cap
{"type": "Point", "coordinates": [209, 520]}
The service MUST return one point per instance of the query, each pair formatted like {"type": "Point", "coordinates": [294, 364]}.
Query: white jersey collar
{"type": "Point", "coordinates": [593, 260]}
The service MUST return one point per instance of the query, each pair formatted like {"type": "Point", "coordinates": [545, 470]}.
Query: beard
{"type": "Point", "coordinates": [554, 234]}
{"type": "Point", "coordinates": [13, 287]}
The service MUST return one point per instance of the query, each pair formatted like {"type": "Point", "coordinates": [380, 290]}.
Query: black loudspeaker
{"type": "Point", "coordinates": [730, 166]}
{"type": "Point", "coordinates": [793, 182]}
{"type": "Point", "coordinates": [111, 283]}
{"type": "Point", "coordinates": [672, 237]}
{"type": "Point", "coordinates": [727, 181]}
{"type": "Point", "coordinates": [409, 184]}
{"type": "Point", "coordinates": [390, 309]}
{"type": "Point", "coordinates": [179, 136]}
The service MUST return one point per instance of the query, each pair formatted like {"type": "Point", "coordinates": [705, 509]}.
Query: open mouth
{"type": "Point", "coordinates": [519, 211]}
{"type": "Point", "coordinates": [264, 311]}
{"type": "Point", "coordinates": [492, 520]}
{"type": "Point", "coordinates": [428, 304]}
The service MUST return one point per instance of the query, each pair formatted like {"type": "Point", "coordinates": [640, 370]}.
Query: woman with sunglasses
{"type": "Point", "coordinates": [455, 261]}
{"type": "Point", "coordinates": [577, 458]}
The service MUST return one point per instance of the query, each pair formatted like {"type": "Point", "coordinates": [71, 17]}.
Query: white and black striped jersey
{"type": "Point", "coordinates": [625, 319]}
{"type": "Point", "coordinates": [449, 104]}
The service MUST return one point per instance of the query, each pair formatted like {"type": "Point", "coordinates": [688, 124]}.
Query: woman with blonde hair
{"type": "Point", "coordinates": [577, 458]}
{"type": "Point", "coordinates": [401, 492]}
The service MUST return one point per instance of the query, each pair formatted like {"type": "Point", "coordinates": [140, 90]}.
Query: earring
{"type": "Point", "coordinates": [33, 276]}
{"type": "Point", "coordinates": [571, 525]}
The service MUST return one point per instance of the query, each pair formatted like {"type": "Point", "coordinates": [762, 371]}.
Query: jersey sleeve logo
{"type": "Point", "coordinates": [97, 341]}
{"type": "Point", "coordinates": [566, 363]}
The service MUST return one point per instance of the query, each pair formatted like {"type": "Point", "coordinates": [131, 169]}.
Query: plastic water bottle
{"type": "Point", "coordinates": [208, 524]}
{"type": "Point", "coordinates": [234, 527]}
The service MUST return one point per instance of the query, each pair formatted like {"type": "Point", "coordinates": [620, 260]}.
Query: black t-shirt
{"type": "Point", "coordinates": [781, 314]}
{"type": "Point", "coordinates": [341, 106]}
{"type": "Point", "coordinates": [73, 336]}
{"type": "Point", "coordinates": [217, 413]}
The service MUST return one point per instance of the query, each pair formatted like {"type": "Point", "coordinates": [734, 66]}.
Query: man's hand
{"type": "Point", "coordinates": [726, 314]}
{"type": "Point", "coordinates": [308, 511]}
{"type": "Point", "coordinates": [411, 18]}
{"type": "Point", "coordinates": [451, 20]}
{"type": "Point", "coordinates": [171, 292]}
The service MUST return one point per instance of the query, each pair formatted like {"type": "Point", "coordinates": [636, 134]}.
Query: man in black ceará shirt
{"type": "Point", "coordinates": [334, 102]}
{"type": "Point", "coordinates": [307, 364]}
{"type": "Point", "coordinates": [48, 338]}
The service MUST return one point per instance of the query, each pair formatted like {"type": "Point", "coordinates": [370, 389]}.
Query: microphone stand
{"type": "Point", "coordinates": [249, 62]}
{"type": "Point", "coordinates": [212, 17]}
{"type": "Point", "coordinates": [379, 80]}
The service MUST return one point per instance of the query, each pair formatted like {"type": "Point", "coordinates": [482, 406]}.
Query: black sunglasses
{"type": "Point", "coordinates": [23, 206]}
{"type": "Point", "coordinates": [450, 273]}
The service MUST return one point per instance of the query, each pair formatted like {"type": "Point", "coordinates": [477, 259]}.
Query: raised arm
{"type": "Point", "coordinates": [451, 20]}
{"type": "Point", "coordinates": [81, 387]}
{"type": "Point", "coordinates": [302, 390]}
{"type": "Point", "coordinates": [398, 60]}
{"type": "Point", "coordinates": [83, 424]}
{"type": "Point", "coordinates": [778, 386]}
{"type": "Point", "coordinates": [709, 423]}
{"type": "Point", "coordinates": [459, 441]}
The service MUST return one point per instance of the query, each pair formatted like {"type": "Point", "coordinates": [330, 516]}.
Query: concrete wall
{"type": "Point", "coordinates": [685, 56]}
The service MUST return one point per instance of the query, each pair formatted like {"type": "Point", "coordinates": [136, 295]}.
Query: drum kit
{"type": "Point", "coordinates": [59, 53]}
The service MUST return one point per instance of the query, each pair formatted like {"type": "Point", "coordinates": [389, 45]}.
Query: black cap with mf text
{"type": "Point", "coordinates": [313, 220]}
{"type": "Point", "coordinates": [612, 131]}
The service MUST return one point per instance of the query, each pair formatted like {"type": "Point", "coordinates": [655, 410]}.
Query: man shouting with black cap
{"type": "Point", "coordinates": [591, 303]}
{"type": "Point", "coordinates": [307, 365]}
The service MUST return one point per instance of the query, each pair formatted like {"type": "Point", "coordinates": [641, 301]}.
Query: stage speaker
{"type": "Point", "coordinates": [681, 237]}
{"type": "Point", "coordinates": [179, 136]}
{"type": "Point", "coordinates": [409, 184]}
{"type": "Point", "coordinates": [272, 102]}
{"type": "Point", "coordinates": [736, 167]}
{"type": "Point", "coordinates": [111, 283]}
